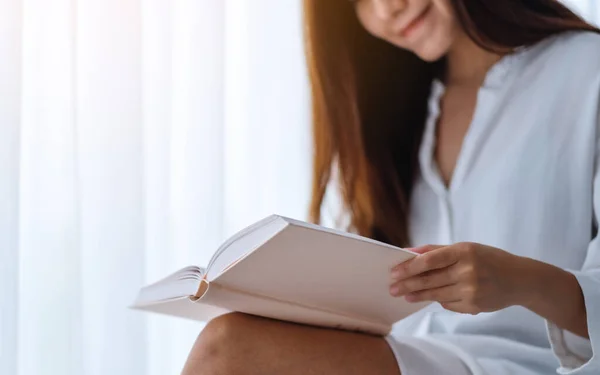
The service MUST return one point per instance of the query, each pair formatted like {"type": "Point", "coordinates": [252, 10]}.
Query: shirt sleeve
{"type": "Point", "coordinates": [578, 355]}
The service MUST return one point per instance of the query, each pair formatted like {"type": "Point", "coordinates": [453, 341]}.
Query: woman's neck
{"type": "Point", "coordinates": [467, 63]}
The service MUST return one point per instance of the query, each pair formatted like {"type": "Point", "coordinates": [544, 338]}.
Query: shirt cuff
{"type": "Point", "coordinates": [578, 355]}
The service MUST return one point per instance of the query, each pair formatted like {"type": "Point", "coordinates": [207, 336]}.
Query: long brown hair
{"type": "Point", "coordinates": [370, 101]}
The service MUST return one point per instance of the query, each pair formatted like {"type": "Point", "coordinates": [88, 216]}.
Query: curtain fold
{"type": "Point", "coordinates": [10, 119]}
{"type": "Point", "coordinates": [49, 325]}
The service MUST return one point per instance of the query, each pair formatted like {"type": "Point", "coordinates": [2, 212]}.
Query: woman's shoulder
{"type": "Point", "coordinates": [576, 47]}
{"type": "Point", "coordinates": [582, 43]}
{"type": "Point", "coordinates": [573, 56]}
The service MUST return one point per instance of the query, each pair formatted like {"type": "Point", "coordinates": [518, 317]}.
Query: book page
{"type": "Point", "coordinates": [183, 283]}
{"type": "Point", "coordinates": [326, 269]}
{"type": "Point", "coordinates": [244, 243]}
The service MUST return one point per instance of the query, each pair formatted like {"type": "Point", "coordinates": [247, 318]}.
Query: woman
{"type": "Point", "coordinates": [472, 124]}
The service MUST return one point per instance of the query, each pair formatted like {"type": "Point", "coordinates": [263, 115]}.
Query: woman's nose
{"type": "Point", "coordinates": [388, 9]}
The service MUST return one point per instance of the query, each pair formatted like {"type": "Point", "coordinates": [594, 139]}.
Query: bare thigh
{"type": "Point", "coordinates": [243, 344]}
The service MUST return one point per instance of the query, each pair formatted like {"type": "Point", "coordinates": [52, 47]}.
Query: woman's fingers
{"type": "Point", "coordinates": [428, 280]}
{"type": "Point", "coordinates": [432, 260]}
{"type": "Point", "coordinates": [446, 294]}
{"type": "Point", "coordinates": [425, 249]}
{"type": "Point", "coordinates": [460, 307]}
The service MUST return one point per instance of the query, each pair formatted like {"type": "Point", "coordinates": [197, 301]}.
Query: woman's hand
{"type": "Point", "coordinates": [465, 277]}
{"type": "Point", "coordinates": [472, 278]}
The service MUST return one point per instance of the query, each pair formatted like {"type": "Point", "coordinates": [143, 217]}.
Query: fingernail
{"type": "Point", "coordinates": [410, 298]}
{"type": "Point", "coordinates": [394, 290]}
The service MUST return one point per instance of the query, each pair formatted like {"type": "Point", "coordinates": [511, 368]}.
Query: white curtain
{"type": "Point", "coordinates": [135, 136]}
{"type": "Point", "coordinates": [587, 8]}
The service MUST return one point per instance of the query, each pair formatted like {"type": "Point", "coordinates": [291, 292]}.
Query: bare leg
{"type": "Point", "coordinates": [239, 344]}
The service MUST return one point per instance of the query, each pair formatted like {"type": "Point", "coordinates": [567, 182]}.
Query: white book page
{"type": "Point", "coordinates": [324, 269]}
{"type": "Point", "coordinates": [183, 283]}
{"type": "Point", "coordinates": [244, 243]}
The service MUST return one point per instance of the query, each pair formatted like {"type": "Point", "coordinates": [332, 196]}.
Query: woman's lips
{"type": "Point", "coordinates": [414, 24]}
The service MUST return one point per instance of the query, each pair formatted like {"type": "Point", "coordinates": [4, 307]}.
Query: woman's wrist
{"type": "Point", "coordinates": [527, 281]}
{"type": "Point", "coordinates": [533, 280]}
{"type": "Point", "coordinates": [552, 293]}
{"type": "Point", "coordinates": [543, 285]}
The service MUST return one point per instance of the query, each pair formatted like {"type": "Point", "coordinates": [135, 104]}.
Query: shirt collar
{"type": "Point", "coordinates": [495, 77]}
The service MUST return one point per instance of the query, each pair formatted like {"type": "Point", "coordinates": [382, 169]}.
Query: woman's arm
{"type": "Point", "coordinates": [552, 293]}
{"type": "Point", "coordinates": [473, 278]}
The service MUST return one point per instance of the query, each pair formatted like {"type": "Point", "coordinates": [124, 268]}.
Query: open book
{"type": "Point", "coordinates": [289, 270]}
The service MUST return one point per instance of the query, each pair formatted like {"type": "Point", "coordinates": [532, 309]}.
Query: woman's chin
{"type": "Point", "coordinates": [430, 52]}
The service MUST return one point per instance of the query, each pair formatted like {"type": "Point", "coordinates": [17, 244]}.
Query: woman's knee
{"type": "Point", "coordinates": [222, 346]}
{"type": "Point", "coordinates": [226, 331]}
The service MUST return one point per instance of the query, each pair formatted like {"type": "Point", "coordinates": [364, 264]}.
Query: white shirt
{"type": "Point", "coordinates": [527, 181]}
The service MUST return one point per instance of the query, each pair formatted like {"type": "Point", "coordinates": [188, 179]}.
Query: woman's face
{"type": "Point", "coordinates": [426, 27]}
